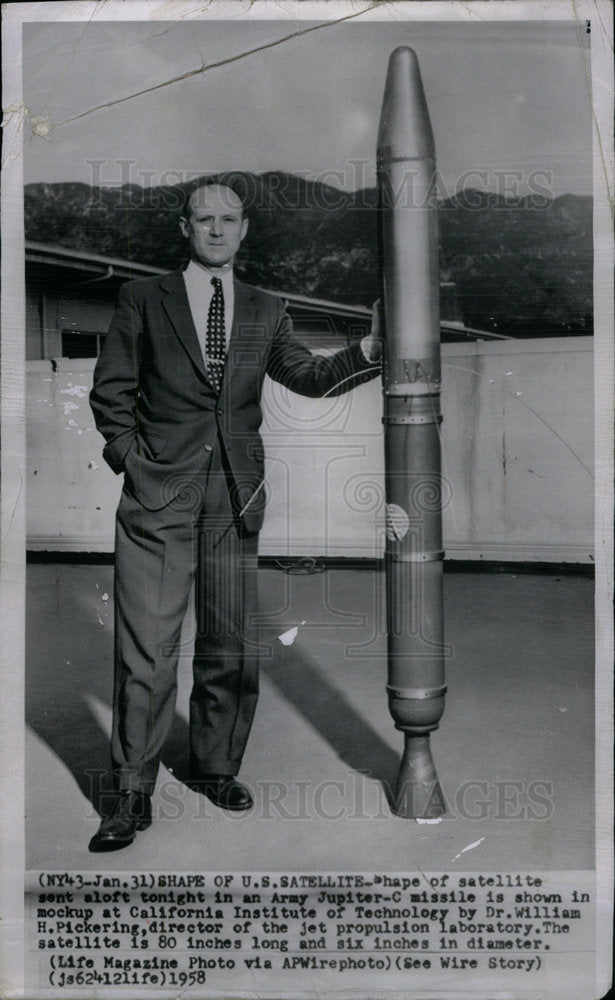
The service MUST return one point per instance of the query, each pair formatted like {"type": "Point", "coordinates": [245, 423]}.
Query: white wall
{"type": "Point", "coordinates": [517, 450]}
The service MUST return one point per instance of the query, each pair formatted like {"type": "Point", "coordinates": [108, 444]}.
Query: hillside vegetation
{"type": "Point", "coordinates": [520, 268]}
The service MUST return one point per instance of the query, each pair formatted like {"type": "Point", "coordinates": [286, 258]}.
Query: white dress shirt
{"type": "Point", "coordinates": [200, 293]}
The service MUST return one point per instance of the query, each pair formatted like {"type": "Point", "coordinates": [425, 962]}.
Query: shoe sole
{"type": "Point", "coordinates": [110, 839]}
{"type": "Point", "coordinates": [225, 805]}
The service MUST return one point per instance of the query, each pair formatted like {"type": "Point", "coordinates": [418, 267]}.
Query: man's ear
{"type": "Point", "coordinates": [183, 225]}
{"type": "Point", "coordinates": [244, 228]}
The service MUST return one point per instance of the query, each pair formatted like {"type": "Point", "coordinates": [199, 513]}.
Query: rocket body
{"type": "Point", "coordinates": [410, 271]}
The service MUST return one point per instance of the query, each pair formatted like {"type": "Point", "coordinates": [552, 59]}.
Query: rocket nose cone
{"type": "Point", "coordinates": [404, 56]}
{"type": "Point", "coordinates": [405, 129]}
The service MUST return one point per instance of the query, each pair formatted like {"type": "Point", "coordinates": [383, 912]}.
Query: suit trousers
{"type": "Point", "coordinates": [158, 556]}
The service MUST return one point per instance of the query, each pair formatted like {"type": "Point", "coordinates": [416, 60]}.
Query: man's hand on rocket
{"type": "Point", "coordinates": [372, 344]}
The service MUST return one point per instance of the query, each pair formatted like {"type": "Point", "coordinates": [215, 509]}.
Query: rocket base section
{"type": "Point", "coordinates": [418, 794]}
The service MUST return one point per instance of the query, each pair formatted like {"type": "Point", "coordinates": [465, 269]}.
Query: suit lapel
{"type": "Point", "coordinates": [175, 303]}
{"type": "Point", "coordinates": [244, 331]}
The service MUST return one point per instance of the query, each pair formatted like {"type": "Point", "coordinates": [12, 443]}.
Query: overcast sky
{"type": "Point", "coordinates": [503, 98]}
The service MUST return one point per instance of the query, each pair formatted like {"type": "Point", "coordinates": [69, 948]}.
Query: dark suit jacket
{"type": "Point", "coordinates": [157, 411]}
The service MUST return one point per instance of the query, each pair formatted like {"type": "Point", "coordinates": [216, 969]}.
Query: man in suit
{"type": "Point", "coordinates": [176, 396]}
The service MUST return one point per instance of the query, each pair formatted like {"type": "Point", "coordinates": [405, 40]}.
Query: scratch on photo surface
{"type": "Point", "coordinates": [16, 501]}
{"type": "Point", "coordinates": [470, 847]}
{"type": "Point", "coordinates": [423, 875]}
{"type": "Point", "coordinates": [10, 154]}
{"type": "Point", "coordinates": [189, 74]}
{"type": "Point", "coordinates": [41, 125]}
{"type": "Point", "coordinates": [517, 395]}
{"type": "Point", "coordinates": [97, 7]}
{"type": "Point", "coordinates": [460, 368]}
{"type": "Point", "coordinates": [287, 638]}
{"type": "Point", "coordinates": [565, 443]}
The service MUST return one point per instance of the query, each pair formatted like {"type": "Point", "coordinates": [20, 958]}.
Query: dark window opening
{"type": "Point", "coordinates": [81, 343]}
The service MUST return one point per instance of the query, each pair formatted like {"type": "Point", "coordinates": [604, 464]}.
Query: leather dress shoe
{"type": "Point", "coordinates": [224, 791]}
{"type": "Point", "coordinates": [132, 811]}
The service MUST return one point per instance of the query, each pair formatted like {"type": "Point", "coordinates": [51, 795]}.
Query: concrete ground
{"type": "Point", "coordinates": [514, 750]}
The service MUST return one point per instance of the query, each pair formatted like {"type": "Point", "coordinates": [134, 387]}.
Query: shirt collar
{"type": "Point", "coordinates": [200, 273]}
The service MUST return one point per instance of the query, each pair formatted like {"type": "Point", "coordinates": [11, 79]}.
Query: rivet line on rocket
{"type": "Point", "coordinates": [423, 418]}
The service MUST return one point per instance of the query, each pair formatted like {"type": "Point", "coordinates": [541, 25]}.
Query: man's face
{"type": "Point", "coordinates": [214, 225]}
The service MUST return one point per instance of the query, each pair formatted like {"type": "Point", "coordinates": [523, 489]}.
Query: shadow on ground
{"type": "Point", "coordinates": [69, 657]}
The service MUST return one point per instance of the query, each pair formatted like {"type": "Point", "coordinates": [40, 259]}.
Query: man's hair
{"type": "Point", "coordinates": [235, 182]}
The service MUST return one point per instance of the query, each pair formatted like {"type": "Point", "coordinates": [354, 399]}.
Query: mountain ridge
{"type": "Point", "coordinates": [522, 266]}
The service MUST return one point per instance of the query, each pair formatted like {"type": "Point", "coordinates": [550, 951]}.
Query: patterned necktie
{"type": "Point", "coordinates": [215, 347]}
